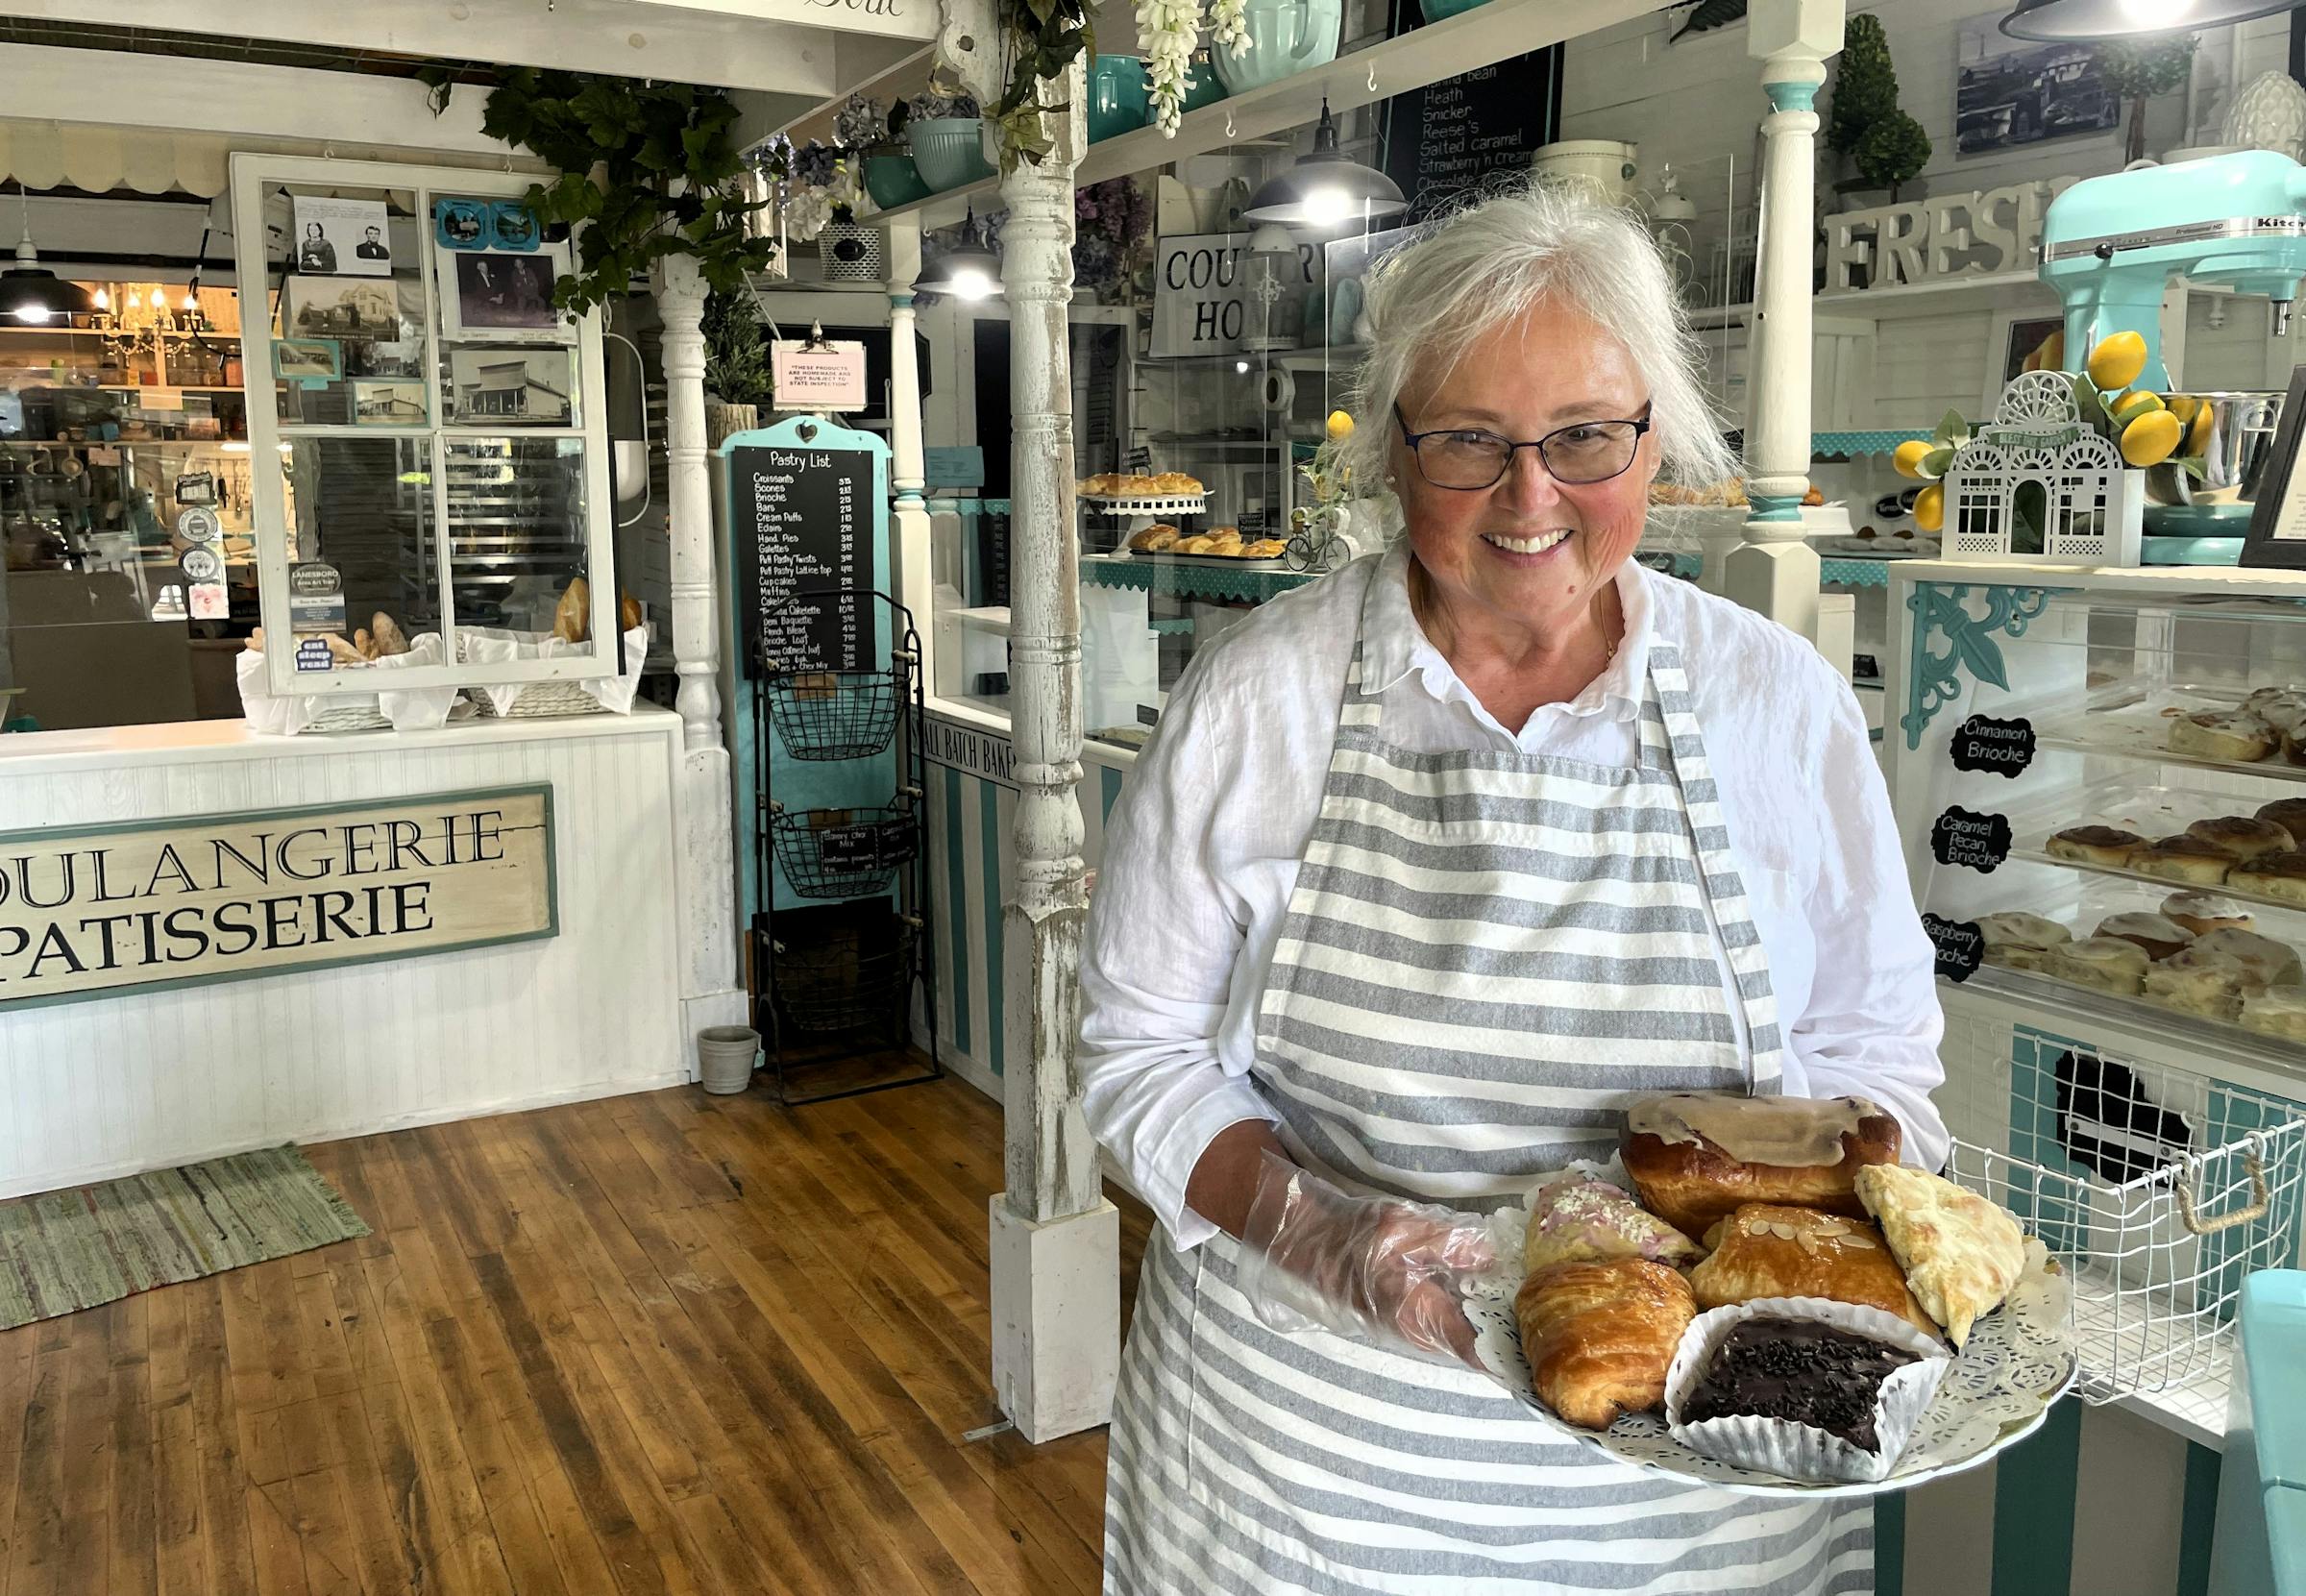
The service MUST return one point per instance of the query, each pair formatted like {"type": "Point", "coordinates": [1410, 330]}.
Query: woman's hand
{"type": "Point", "coordinates": [1376, 1268]}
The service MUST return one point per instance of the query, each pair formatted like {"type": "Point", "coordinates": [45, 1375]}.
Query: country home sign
{"type": "Point", "coordinates": [1999, 229]}
{"type": "Point", "coordinates": [88, 911]}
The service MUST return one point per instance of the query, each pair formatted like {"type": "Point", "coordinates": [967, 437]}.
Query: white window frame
{"type": "Point", "coordinates": [253, 177]}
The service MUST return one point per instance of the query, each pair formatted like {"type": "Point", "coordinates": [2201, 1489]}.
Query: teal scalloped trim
{"type": "Point", "coordinates": [1179, 626]}
{"type": "Point", "coordinates": [1192, 581]}
{"type": "Point", "coordinates": [1861, 443]}
{"type": "Point", "coordinates": [968, 506]}
{"type": "Point", "coordinates": [1853, 572]}
{"type": "Point", "coordinates": [1935, 678]}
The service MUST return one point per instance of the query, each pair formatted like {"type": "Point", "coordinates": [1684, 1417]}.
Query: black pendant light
{"type": "Point", "coordinates": [1325, 187]}
{"type": "Point", "coordinates": [30, 292]}
{"type": "Point", "coordinates": [2079, 21]}
{"type": "Point", "coordinates": [969, 270]}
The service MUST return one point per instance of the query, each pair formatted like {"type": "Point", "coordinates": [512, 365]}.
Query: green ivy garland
{"type": "Point", "coordinates": [1044, 36]}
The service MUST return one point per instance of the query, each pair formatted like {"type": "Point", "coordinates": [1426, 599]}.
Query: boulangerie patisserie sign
{"type": "Point", "coordinates": [91, 911]}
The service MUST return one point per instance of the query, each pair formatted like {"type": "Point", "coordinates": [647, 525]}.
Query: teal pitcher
{"type": "Point", "coordinates": [1285, 36]}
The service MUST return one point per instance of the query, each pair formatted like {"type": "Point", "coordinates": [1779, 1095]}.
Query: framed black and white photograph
{"type": "Point", "coordinates": [2012, 92]}
{"type": "Point", "coordinates": [496, 293]}
{"type": "Point", "coordinates": [385, 360]}
{"type": "Point", "coordinates": [307, 360]}
{"type": "Point", "coordinates": [342, 237]}
{"type": "Point", "coordinates": [511, 387]}
{"type": "Point", "coordinates": [388, 403]}
{"type": "Point", "coordinates": [342, 308]}
{"type": "Point", "coordinates": [2019, 338]}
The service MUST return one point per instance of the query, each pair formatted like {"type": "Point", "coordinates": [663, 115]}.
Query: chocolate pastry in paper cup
{"type": "Point", "coordinates": [1803, 1387]}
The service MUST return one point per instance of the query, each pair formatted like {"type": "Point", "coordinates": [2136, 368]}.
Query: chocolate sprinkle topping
{"type": "Point", "coordinates": [1793, 1369]}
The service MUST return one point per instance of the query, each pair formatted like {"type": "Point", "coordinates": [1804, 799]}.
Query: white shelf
{"type": "Point", "coordinates": [1945, 296]}
{"type": "Point", "coordinates": [1483, 36]}
{"type": "Point", "coordinates": [993, 619]}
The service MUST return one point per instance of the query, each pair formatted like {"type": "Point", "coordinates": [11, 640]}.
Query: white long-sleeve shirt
{"type": "Point", "coordinates": [1202, 850]}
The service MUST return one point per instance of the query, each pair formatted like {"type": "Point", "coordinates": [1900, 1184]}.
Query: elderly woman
{"type": "Point", "coordinates": [1431, 868]}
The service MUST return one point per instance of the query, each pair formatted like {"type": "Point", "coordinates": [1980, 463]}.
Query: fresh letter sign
{"type": "Point", "coordinates": [90, 910]}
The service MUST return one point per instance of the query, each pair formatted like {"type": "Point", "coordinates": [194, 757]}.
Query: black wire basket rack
{"type": "Point", "coordinates": [834, 853]}
{"type": "Point", "coordinates": [829, 715]}
{"type": "Point", "coordinates": [852, 978]}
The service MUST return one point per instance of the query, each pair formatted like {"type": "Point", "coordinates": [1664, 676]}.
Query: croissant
{"type": "Point", "coordinates": [1600, 1337]}
{"type": "Point", "coordinates": [384, 633]}
{"type": "Point", "coordinates": [629, 613]}
{"type": "Point", "coordinates": [573, 618]}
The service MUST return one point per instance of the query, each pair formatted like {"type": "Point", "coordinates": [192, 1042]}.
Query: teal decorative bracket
{"type": "Point", "coordinates": [1933, 679]}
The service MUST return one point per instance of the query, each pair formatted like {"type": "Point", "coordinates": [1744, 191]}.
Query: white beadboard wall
{"type": "Point", "coordinates": [88, 1090]}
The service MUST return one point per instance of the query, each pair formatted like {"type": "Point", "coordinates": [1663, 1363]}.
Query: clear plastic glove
{"type": "Point", "coordinates": [1379, 1269]}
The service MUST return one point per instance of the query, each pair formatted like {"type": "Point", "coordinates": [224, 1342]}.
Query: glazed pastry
{"type": "Point", "coordinates": [2278, 1011]}
{"type": "Point", "coordinates": [1695, 1156]}
{"type": "Point", "coordinates": [1575, 1219]}
{"type": "Point", "coordinates": [2203, 913]}
{"type": "Point", "coordinates": [2276, 875]}
{"type": "Point", "coordinates": [1801, 1371]}
{"type": "Point", "coordinates": [1600, 1337]}
{"type": "Point", "coordinates": [2279, 707]}
{"type": "Point", "coordinates": [2209, 986]}
{"type": "Point", "coordinates": [1267, 549]}
{"type": "Point", "coordinates": [629, 613]}
{"type": "Point", "coordinates": [2242, 836]}
{"type": "Point", "coordinates": [2183, 858]}
{"type": "Point", "coordinates": [1961, 1253]}
{"type": "Point", "coordinates": [1772, 1250]}
{"type": "Point", "coordinates": [2231, 734]}
{"type": "Point", "coordinates": [2263, 962]}
{"type": "Point", "coordinates": [573, 618]}
{"type": "Point", "coordinates": [2015, 940]}
{"type": "Point", "coordinates": [2095, 844]}
{"type": "Point", "coordinates": [1195, 545]}
{"type": "Point", "coordinates": [2105, 964]}
{"type": "Point", "coordinates": [2159, 936]}
{"type": "Point", "coordinates": [2293, 751]}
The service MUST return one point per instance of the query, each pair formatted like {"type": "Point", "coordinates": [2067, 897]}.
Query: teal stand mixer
{"type": "Point", "coordinates": [2111, 245]}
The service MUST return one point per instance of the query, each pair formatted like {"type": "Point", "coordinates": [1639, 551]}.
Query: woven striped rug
{"type": "Point", "coordinates": [61, 1251]}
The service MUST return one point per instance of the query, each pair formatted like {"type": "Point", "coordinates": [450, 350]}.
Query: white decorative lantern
{"type": "Point", "coordinates": [2036, 485]}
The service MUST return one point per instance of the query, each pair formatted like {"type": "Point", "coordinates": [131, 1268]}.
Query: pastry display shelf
{"type": "Point", "coordinates": [1189, 582]}
{"type": "Point", "coordinates": [1151, 504]}
{"type": "Point", "coordinates": [2139, 729]}
{"type": "Point", "coordinates": [2094, 1009]}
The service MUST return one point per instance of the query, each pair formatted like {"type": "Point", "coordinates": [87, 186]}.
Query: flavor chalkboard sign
{"type": "Point", "coordinates": [1965, 836]}
{"type": "Point", "coordinates": [1960, 945]}
{"type": "Point", "coordinates": [1462, 133]}
{"type": "Point", "coordinates": [803, 522]}
{"type": "Point", "coordinates": [1982, 743]}
{"type": "Point", "coordinates": [851, 849]}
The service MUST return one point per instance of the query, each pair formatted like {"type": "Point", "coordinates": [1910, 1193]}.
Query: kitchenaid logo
{"type": "Point", "coordinates": [88, 911]}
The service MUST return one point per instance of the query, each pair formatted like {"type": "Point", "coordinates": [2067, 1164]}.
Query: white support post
{"type": "Point", "coordinates": [711, 993]}
{"type": "Point", "coordinates": [910, 559]}
{"type": "Point", "coordinates": [1773, 571]}
{"type": "Point", "coordinates": [1056, 1241]}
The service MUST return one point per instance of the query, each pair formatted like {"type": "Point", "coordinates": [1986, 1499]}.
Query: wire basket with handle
{"type": "Point", "coordinates": [844, 853]}
{"type": "Point", "coordinates": [2156, 1188]}
{"type": "Point", "coordinates": [847, 976]}
{"type": "Point", "coordinates": [824, 715]}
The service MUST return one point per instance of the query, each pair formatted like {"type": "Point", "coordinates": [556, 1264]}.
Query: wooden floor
{"type": "Point", "coordinates": [667, 1342]}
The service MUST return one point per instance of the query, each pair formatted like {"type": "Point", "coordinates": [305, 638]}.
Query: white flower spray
{"type": "Point", "coordinates": [1229, 26]}
{"type": "Point", "coordinates": [1168, 30]}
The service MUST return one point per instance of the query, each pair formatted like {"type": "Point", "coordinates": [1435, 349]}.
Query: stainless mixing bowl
{"type": "Point", "coordinates": [2241, 438]}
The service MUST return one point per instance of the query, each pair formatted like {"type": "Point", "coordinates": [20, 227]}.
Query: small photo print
{"type": "Point", "coordinates": [385, 360]}
{"type": "Point", "coordinates": [307, 360]}
{"type": "Point", "coordinates": [510, 387]}
{"type": "Point", "coordinates": [347, 237]}
{"type": "Point", "coordinates": [340, 308]}
{"type": "Point", "coordinates": [513, 226]}
{"type": "Point", "coordinates": [462, 224]}
{"type": "Point", "coordinates": [388, 403]}
{"type": "Point", "coordinates": [492, 291]}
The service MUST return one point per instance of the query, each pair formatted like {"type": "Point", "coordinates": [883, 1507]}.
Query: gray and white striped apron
{"type": "Point", "coordinates": [1487, 955]}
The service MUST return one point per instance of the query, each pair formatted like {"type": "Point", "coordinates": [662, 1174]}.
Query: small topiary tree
{"type": "Point", "coordinates": [2140, 69]}
{"type": "Point", "coordinates": [1865, 85]}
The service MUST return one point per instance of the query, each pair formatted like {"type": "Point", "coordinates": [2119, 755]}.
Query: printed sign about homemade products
{"type": "Point", "coordinates": [89, 911]}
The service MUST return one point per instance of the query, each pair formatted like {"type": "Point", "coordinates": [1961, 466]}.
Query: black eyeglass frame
{"type": "Point", "coordinates": [1640, 424]}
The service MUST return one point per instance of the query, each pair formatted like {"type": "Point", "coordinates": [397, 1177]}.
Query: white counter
{"type": "Point", "coordinates": [94, 1089]}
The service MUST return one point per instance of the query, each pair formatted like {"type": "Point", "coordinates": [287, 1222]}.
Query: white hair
{"type": "Point", "coordinates": [1484, 266]}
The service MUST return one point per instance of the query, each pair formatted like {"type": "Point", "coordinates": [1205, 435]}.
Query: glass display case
{"type": "Point", "coordinates": [435, 445]}
{"type": "Point", "coordinates": [2101, 781]}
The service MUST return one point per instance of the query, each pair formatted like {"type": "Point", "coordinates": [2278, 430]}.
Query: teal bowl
{"type": "Point", "coordinates": [1285, 37]}
{"type": "Point", "coordinates": [1117, 96]}
{"type": "Point", "coordinates": [949, 151]}
{"type": "Point", "coordinates": [893, 179]}
{"type": "Point", "coordinates": [1436, 10]}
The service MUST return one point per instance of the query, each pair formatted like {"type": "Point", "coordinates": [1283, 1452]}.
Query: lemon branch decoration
{"type": "Point", "coordinates": [1315, 523]}
{"type": "Point", "coordinates": [2147, 427]}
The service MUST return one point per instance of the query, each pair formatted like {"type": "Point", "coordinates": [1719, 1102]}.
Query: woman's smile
{"type": "Point", "coordinates": [1530, 547]}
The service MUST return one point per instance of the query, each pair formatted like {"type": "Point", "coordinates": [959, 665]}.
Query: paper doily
{"type": "Point", "coordinates": [2019, 1360]}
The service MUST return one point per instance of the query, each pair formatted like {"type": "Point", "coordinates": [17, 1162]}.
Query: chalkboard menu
{"type": "Point", "coordinates": [803, 523]}
{"type": "Point", "coordinates": [1462, 133]}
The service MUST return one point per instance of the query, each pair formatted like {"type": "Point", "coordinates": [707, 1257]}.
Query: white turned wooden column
{"type": "Point", "coordinates": [1056, 1241]}
{"type": "Point", "coordinates": [1773, 571]}
{"type": "Point", "coordinates": [711, 991]}
{"type": "Point", "coordinates": [910, 551]}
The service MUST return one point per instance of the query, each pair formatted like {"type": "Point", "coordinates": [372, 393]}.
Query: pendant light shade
{"type": "Point", "coordinates": [969, 270]}
{"type": "Point", "coordinates": [30, 292]}
{"type": "Point", "coordinates": [1325, 187]}
{"type": "Point", "coordinates": [2081, 20]}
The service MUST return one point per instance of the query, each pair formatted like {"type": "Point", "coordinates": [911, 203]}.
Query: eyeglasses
{"type": "Point", "coordinates": [1470, 460]}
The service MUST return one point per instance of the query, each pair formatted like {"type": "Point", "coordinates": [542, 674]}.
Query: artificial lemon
{"type": "Point", "coordinates": [2198, 436]}
{"type": "Point", "coordinates": [1341, 424]}
{"type": "Point", "coordinates": [2131, 405]}
{"type": "Point", "coordinates": [2150, 439]}
{"type": "Point", "coordinates": [2183, 405]}
{"type": "Point", "coordinates": [1929, 508]}
{"type": "Point", "coordinates": [2118, 359]}
{"type": "Point", "coordinates": [2053, 353]}
{"type": "Point", "coordinates": [1909, 456]}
